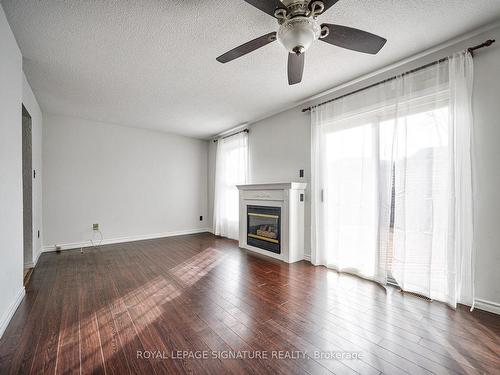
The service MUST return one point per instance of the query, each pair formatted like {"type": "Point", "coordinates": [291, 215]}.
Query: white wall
{"type": "Point", "coordinates": [212, 152]}
{"type": "Point", "coordinates": [11, 199]}
{"type": "Point", "coordinates": [134, 183]}
{"type": "Point", "coordinates": [31, 105]}
{"type": "Point", "coordinates": [486, 108]}
{"type": "Point", "coordinates": [280, 146]}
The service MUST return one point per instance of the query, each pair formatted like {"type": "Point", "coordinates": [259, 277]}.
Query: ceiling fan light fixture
{"type": "Point", "coordinates": [299, 29]}
{"type": "Point", "coordinates": [298, 33]}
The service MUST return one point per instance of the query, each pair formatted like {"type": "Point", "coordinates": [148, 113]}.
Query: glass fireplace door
{"type": "Point", "coordinates": [264, 227]}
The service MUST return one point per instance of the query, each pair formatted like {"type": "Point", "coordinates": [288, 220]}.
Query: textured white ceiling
{"type": "Point", "coordinates": [151, 64]}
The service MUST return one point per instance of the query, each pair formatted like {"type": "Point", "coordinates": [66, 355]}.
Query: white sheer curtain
{"type": "Point", "coordinates": [231, 169]}
{"type": "Point", "coordinates": [392, 184]}
{"type": "Point", "coordinates": [351, 178]}
{"type": "Point", "coordinates": [433, 230]}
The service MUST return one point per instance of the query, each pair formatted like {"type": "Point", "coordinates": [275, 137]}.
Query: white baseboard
{"type": "Point", "coordinates": [4, 321]}
{"type": "Point", "coordinates": [489, 306]}
{"type": "Point", "coordinates": [35, 261]}
{"type": "Point", "coordinates": [307, 257]}
{"type": "Point", "coordinates": [37, 257]}
{"type": "Point", "coordinates": [109, 241]}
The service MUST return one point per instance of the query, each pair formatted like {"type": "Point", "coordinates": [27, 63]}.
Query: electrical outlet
{"type": "Point", "coordinates": [301, 173]}
{"type": "Point", "coordinates": [38, 234]}
{"type": "Point", "coordinates": [201, 218]}
{"type": "Point", "coordinates": [95, 226]}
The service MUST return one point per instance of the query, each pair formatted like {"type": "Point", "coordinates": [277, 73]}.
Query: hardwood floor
{"type": "Point", "coordinates": [128, 308]}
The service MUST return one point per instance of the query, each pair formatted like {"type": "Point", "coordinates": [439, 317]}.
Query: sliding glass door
{"type": "Point", "coordinates": [351, 198]}
{"type": "Point", "coordinates": [387, 165]}
{"type": "Point", "coordinates": [422, 202]}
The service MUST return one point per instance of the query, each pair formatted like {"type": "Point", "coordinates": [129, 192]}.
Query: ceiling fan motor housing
{"type": "Point", "coordinates": [298, 33]}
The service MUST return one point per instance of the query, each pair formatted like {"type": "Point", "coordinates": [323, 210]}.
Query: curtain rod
{"type": "Point", "coordinates": [471, 50]}
{"type": "Point", "coordinates": [230, 135]}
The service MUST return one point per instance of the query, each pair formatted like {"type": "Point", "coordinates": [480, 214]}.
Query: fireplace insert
{"type": "Point", "coordinates": [264, 227]}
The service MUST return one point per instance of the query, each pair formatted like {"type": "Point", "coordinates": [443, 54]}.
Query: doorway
{"type": "Point", "coordinates": [27, 195]}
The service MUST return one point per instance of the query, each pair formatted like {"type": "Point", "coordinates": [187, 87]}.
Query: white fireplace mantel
{"type": "Point", "coordinates": [290, 197]}
{"type": "Point", "coordinates": [274, 186]}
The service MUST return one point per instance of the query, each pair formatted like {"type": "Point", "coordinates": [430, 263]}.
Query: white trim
{"type": "Point", "coordinates": [274, 186]}
{"type": "Point", "coordinates": [489, 306]}
{"type": "Point", "coordinates": [34, 262]}
{"type": "Point", "coordinates": [38, 253]}
{"type": "Point", "coordinates": [266, 253]}
{"type": "Point", "coordinates": [5, 320]}
{"type": "Point", "coordinates": [307, 257]}
{"type": "Point", "coordinates": [77, 245]}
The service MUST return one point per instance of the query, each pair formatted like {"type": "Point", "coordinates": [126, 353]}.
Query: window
{"type": "Point", "coordinates": [362, 158]}
{"type": "Point", "coordinates": [391, 182]}
{"type": "Point", "coordinates": [231, 170]}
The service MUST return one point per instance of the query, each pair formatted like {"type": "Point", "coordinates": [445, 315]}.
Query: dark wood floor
{"type": "Point", "coordinates": [104, 311]}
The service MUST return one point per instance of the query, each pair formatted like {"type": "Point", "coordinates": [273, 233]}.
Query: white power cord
{"type": "Point", "coordinates": [92, 240]}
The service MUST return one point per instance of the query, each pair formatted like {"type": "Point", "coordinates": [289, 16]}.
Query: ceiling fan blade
{"type": "Point", "coordinates": [267, 6]}
{"type": "Point", "coordinates": [354, 39]}
{"type": "Point", "coordinates": [247, 47]}
{"type": "Point", "coordinates": [295, 68]}
{"type": "Point", "coordinates": [327, 3]}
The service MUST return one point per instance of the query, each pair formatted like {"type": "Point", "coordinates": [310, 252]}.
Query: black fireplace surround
{"type": "Point", "coordinates": [264, 227]}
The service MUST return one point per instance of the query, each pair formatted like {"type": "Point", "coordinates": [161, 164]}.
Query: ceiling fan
{"type": "Point", "coordinates": [299, 28]}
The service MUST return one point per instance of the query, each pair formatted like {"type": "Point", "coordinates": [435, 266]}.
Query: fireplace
{"type": "Point", "coordinates": [264, 227]}
{"type": "Point", "coordinates": [272, 219]}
